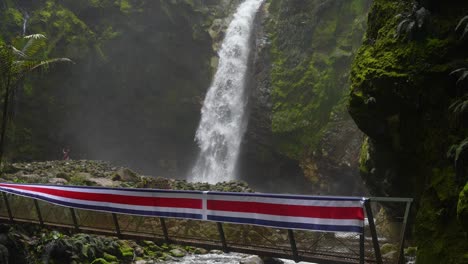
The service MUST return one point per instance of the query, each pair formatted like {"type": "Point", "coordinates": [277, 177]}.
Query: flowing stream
{"type": "Point", "coordinates": [223, 119]}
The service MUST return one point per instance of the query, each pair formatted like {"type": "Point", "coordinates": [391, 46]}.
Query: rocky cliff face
{"type": "Point", "coordinates": [300, 132]}
{"type": "Point", "coordinates": [135, 92]}
{"type": "Point", "coordinates": [400, 98]}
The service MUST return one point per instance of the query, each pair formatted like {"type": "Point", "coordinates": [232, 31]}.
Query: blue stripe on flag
{"type": "Point", "coordinates": [329, 228]}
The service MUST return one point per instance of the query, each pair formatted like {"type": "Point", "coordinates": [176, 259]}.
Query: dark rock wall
{"type": "Point", "coordinates": [300, 137]}
{"type": "Point", "coordinates": [135, 92]}
{"type": "Point", "coordinates": [400, 98]}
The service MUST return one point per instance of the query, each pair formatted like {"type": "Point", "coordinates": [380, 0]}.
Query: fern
{"type": "Point", "coordinates": [15, 63]}
{"type": "Point", "coordinates": [462, 28]}
{"type": "Point", "coordinates": [461, 150]}
{"type": "Point", "coordinates": [412, 23]}
{"type": "Point", "coordinates": [462, 78]}
{"type": "Point", "coordinates": [460, 106]}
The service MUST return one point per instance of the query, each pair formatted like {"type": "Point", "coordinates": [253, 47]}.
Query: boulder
{"type": "Point", "coordinates": [251, 260]}
{"type": "Point", "coordinates": [58, 181]}
{"type": "Point", "coordinates": [178, 253]}
{"type": "Point", "coordinates": [126, 175]}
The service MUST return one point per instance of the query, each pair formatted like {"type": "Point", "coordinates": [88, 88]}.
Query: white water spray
{"type": "Point", "coordinates": [222, 124]}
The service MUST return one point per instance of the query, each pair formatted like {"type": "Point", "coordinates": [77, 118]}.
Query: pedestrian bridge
{"type": "Point", "coordinates": [321, 229]}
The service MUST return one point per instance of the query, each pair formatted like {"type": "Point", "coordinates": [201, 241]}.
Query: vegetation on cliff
{"type": "Point", "coordinates": [400, 97]}
{"type": "Point", "coordinates": [310, 46]}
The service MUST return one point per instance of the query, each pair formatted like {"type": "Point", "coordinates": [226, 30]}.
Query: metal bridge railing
{"type": "Point", "coordinates": [380, 228]}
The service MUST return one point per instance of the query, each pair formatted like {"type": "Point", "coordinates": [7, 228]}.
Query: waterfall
{"type": "Point", "coordinates": [25, 22]}
{"type": "Point", "coordinates": [223, 120]}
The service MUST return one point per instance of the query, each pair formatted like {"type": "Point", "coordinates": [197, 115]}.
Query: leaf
{"type": "Point", "coordinates": [461, 149]}
{"type": "Point", "coordinates": [421, 16]}
{"type": "Point", "coordinates": [457, 71]}
{"type": "Point", "coordinates": [460, 106]}
{"type": "Point", "coordinates": [35, 36]}
{"type": "Point", "coordinates": [464, 32]}
{"type": "Point", "coordinates": [463, 78]}
{"type": "Point", "coordinates": [402, 27]}
{"type": "Point", "coordinates": [33, 46]}
{"type": "Point", "coordinates": [461, 23]}
{"type": "Point", "coordinates": [18, 53]}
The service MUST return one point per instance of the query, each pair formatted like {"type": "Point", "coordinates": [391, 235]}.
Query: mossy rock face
{"type": "Point", "coordinates": [400, 97]}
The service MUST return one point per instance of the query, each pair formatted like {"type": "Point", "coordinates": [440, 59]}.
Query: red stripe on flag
{"type": "Point", "coordinates": [116, 198]}
{"type": "Point", "coordinates": [288, 209]}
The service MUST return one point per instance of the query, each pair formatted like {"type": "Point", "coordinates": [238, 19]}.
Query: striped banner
{"type": "Point", "coordinates": [144, 202]}
{"type": "Point", "coordinates": [319, 213]}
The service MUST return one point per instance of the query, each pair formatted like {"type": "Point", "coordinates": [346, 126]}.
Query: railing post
{"type": "Point", "coordinates": [292, 241]}
{"type": "Point", "coordinates": [75, 221]}
{"type": "Point", "coordinates": [222, 237]}
{"type": "Point", "coordinates": [401, 255]}
{"type": "Point", "coordinates": [7, 203]}
{"type": "Point", "coordinates": [375, 241]}
{"type": "Point", "coordinates": [38, 211]}
{"type": "Point", "coordinates": [164, 229]}
{"type": "Point", "coordinates": [116, 224]}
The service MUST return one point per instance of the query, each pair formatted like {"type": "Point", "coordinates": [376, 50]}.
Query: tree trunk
{"type": "Point", "coordinates": [4, 119]}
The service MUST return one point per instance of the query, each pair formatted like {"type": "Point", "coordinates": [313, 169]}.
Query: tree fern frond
{"type": "Point", "coordinates": [33, 46]}
{"type": "Point", "coordinates": [27, 66]}
{"type": "Point", "coordinates": [46, 63]}
{"type": "Point", "coordinates": [461, 149]}
{"type": "Point", "coordinates": [18, 53]}
{"type": "Point", "coordinates": [460, 106]}
{"type": "Point", "coordinates": [461, 24]}
{"type": "Point", "coordinates": [35, 36]}
{"type": "Point", "coordinates": [465, 32]}
{"type": "Point", "coordinates": [402, 27]}
{"type": "Point", "coordinates": [457, 71]}
{"type": "Point", "coordinates": [462, 78]}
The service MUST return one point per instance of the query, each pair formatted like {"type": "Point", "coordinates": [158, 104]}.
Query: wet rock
{"type": "Point", "coordinates": [58, 181]}
{"type": "Point", "coordinates": [388, 248]}
{"type": "Point", "coordinates": [200, 251]}
{"type": "Point", "coordinates": [178, 253]}
{"type": "Point", "coordinates": [125, 175]}
{"type": "Point", "coordinates": [251, 260]}
{"type": "Point", "coordinates": [4, 254]}
{"type": "Point", "coordinates": [270, 260]}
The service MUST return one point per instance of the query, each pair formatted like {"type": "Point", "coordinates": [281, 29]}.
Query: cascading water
{"type": "Point", "coordinates": [25, 22]}
{"type": "Point", "coordinates": [222, 124]}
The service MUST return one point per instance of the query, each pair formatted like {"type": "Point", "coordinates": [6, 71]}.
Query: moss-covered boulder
{"type": "Point", "coordinates": [400, 97]}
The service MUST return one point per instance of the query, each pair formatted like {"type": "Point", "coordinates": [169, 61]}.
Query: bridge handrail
{"type": "Point", "coordinates": [318, 213]}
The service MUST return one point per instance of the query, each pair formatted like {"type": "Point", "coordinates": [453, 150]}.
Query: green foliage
{"type": "Point", "coordinates": [412, 23]}
{"type": "Point", "coordinates": [15, 63]}
{"type": "Point", "coordinates": [400, 98]}
{"type": "Point", "coordinates": [309, 73]}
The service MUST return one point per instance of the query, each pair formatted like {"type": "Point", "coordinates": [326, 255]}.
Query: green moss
{"type": "Point", "coordinates": [399, 98]}
{"type": "Point", "coordinates": [364, 157]}
{"type": "Point", "coordinates": [309, 74]}
{"type": "Point", "coordinates": [110, 257]}
{"type": "Point", "coordinates": [125, 251]}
